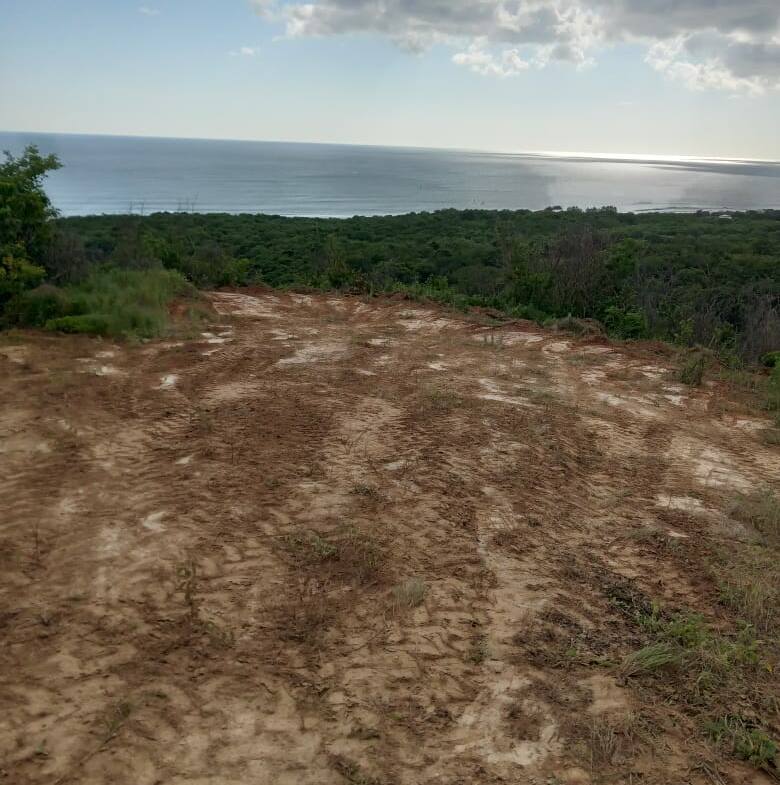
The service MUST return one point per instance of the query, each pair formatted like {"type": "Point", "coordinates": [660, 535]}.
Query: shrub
{"type": "Point", "coordinates": [627, 324]}
{"type": "Point", "coordinates": [17, 273]}
{"type": "Point", "coordinates": [25, 213]}
{"type": "Point", "coordinates": [771, 359]}
{"type": "Point", "coordinates": [37, 306]}
{"type": "Point", "coordinates": [90, 323]}
{"type": "Point", "coordinates": [692, 371]}
{"type": "Point", "coordinates": [65, 258]}
{"type": "Point", "coordinates": [773, 392]}
{"type": "Point", "coordinates": [118, 303]}
{"type": "Point", "coordinates": [571, 324]}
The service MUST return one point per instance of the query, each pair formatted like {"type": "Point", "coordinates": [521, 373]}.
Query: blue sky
{"type": "Point", "coordinates": [414, 72]}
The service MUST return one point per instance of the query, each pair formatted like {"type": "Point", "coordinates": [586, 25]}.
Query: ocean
{"type": "Point", "coordinates": [113, 174]}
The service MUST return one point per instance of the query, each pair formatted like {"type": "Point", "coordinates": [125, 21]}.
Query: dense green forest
{"type": "Point", "coordinates": [705, 279]}
{"type": "Point", "coordinates": [694, 279]}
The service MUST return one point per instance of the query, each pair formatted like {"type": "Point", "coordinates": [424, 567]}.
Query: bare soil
{"type": "Point", "coordinates": [211, 551]}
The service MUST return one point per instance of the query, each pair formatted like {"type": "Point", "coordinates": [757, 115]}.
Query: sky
{"type": "Point", "coordinates": [650, 77]}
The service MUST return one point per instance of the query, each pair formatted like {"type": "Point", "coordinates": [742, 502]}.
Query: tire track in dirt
{"type": "Point", "coordinates": [237, 516]}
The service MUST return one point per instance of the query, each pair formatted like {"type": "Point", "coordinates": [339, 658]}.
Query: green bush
{"type": "Point", "coordinates": [37, 306]}
{"type": "Point", "coordinates": [90, 323]}
{"type": "Point", "coordinates": [118, 303]}
{"type": "Point", "coordinates": [25, 213]}
{"type": "Point", "coordinates": [773, 392]}
{"type": "Point", "coordinates": [771, 359]}
{"type": "Point", "coordinates": [17, 273]}
{"type": "Point", "coordinates": [622, 323]}
{"type": "Point", "coordinates": [692, 371]}
{"type": "Point", "coordinates": [572, 324]}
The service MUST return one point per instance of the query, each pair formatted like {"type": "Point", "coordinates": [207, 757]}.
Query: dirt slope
{"type": "Point", "coordinates": [344, 541]}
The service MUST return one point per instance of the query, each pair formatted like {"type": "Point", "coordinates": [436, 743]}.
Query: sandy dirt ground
{"type": "Point", "coordinates": [338, 540]}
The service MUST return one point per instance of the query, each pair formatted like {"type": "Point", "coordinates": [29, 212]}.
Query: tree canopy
{"type": "Point", "coordinates": [25, 214]}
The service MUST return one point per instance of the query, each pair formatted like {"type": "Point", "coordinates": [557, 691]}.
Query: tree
{"type": "Point", "coordinates": [25, 213]}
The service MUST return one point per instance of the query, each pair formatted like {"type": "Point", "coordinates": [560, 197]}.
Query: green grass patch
{"type": "Point", "coordinates": [703, 652]}
{"type": "Point", "coordinates": [747, 740]}
{"type": "Point", "coordinates": [112, 302]}
{"type": "Point", "coordinates": [708, 669]}
{"type": "Point", "coordinates": [651, 658]}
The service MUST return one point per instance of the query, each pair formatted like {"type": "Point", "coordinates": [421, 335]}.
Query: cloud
{"type": "Point", "coordinates": [711, 60]}
{"type": "Point", "coordinates": [147, 11]}
{"type": "Point", "coordinates": [664, 19]}
{"type": "Point", "coordinates": [706, 44]}
{"type": "Point", "coordinates": [245, 51]}
{"type": "Point", "coordinates": [482, 62]}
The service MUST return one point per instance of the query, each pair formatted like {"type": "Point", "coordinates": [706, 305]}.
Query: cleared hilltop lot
{"type": "Point", "coordinates": [341, 540]}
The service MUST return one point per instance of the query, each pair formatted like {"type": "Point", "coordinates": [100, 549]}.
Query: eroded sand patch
{"type": "Point", "coordinates": [494, 392]}
{"type": "Point", "coordinates": [233, 304]}
{"type": "Point", "coordinates": [709, 466]}
{"type": "Point", "coordinates": [315, 352]}
{"type": "Point", "coordinates": [168, 381]}
{"type": "Point", "coordinates": [153, 521]}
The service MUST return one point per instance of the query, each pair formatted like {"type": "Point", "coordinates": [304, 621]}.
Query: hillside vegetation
{"type": "Point", "coordinates": [692, 279]}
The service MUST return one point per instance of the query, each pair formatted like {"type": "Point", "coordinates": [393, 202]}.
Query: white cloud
{"type": "Point", "coordinates": [704, 61]}
{"type": "Point", "coordinates": [509, 63]}
{"type": "Point", "coordinates": [147, 11]}
{"type": "Point", "coordinates": [706, 44]}
{"type": "Point", "coordinates": [245, 51]}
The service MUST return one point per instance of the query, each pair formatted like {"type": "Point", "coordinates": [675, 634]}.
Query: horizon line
{"type": "Point", "coordinates": [583, 155]}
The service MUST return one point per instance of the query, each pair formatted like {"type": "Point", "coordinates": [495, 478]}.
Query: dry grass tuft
{"type": "Point", "coordinates": [369, 493]}
{"type": "Point", "coordinates": [752, 591]}
{"type": "Point", "coordinates": [311, 547]}
{"type": "Point", "coordinates": [348, 554]}
{"type": "Point", "coordinates": [761, 510]}
{"type": "Point", "coordinates": [651, 658]}
{"type": "Point", "coordinates": [576, 326]}
{"type": "Point", "coordinates": [603, 744]}
{"type": "Point", "coordinates": [352, 772]}
{"type": "Point", "coordinates": [361, 556]}
{"type": "Point", "coordinates": [439, 400]}
{"type": "Point", "coordinates": [409, 594]}
{"type": "Point", "coordinates": [479, 651]}
{"type": "Point", "coordinates": [306, 614]}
